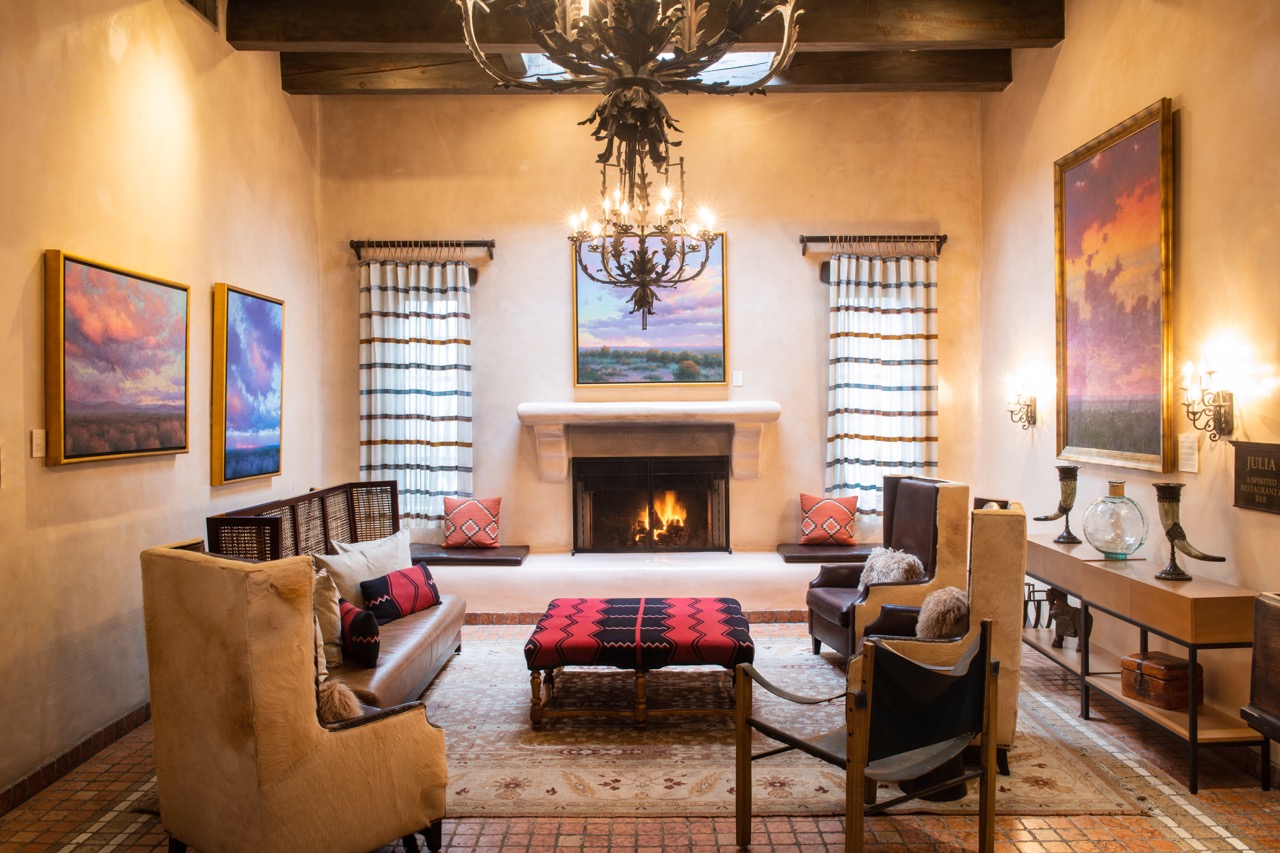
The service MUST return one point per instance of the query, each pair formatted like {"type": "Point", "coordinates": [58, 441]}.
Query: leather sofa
{"type": "Point", "coordinates": [413, 649]}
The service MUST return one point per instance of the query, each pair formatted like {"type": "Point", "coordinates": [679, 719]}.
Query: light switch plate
{"type": "Point", "coordinates": [1189, 452]}
{"type": "Point", "coordinates": [737, 379]}
{"type": "Point", "coordinates": [37, 443]}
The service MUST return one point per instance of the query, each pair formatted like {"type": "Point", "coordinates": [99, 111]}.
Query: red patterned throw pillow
{"type": "Point", "coordinates": [400, 593]}
{"type": "Point", "coordinates": [471, 522]}
{"type": "Point", "coordinates": [360, 641]}
{"type": "Point", "coordinates": [827, 521]}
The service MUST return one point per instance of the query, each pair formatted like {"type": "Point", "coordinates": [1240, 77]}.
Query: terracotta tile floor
{"type": "Point", "coordinates": [91, 808]}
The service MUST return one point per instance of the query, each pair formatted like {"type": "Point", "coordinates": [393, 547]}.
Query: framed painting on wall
{"type": "Point", "coordinates": [684, 343]}
{"type": "Point", "coordinates": [248, 371]}
{"type": "Point", "coordinates": [1113, 204]}
{"type": "Point", "coordinates": [115, 362]}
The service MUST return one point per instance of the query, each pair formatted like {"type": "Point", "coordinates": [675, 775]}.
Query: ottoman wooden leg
{"type": "Point", "coordinates": [535, 707]}
{"type": "Point", "coordinates": [642, 705]}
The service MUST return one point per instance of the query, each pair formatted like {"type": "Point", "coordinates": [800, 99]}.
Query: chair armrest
{"type": "Point", "coordinates": [895, 620]}
{"type": "Point", "coordinates": [376, 716]}
{"type": "Point", "coordinates": [838, 574]}
{"type": "Point", "coordinates": [749, 671]}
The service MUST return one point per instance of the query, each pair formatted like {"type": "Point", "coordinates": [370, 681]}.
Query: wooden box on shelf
{"type": "Point", "coordinates": [1159, 679]}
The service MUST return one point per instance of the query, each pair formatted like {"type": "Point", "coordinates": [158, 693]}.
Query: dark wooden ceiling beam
{"type": "Point", "coordinates": [451, 74]}
{"type": "Point", "coordinates": [434, 26]}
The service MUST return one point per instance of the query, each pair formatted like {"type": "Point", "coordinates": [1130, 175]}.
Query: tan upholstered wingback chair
{"type": "Point", "coordinates": [242, 760]}
{"type": "Point", "coordinates": [925, 517]}
{"type": "Point", "coordinates": [997, 566]}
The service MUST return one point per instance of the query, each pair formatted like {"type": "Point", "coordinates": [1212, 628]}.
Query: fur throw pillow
{"type": "Point", "coordinates": [336, 702]}
{"type": "Point", "coordinates": [944, 614]}
{"type": "Point", "coordinates": [885, 565]}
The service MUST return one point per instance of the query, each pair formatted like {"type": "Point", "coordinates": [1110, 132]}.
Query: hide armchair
{"type": "Point", "coordinates": [242, 760]}
{"type": "Point", "coordinates": [998, 556]}
{"type": "Point", "coordinates": [905, 723]}
{"type": "Point", "coordinates": [925, 517]}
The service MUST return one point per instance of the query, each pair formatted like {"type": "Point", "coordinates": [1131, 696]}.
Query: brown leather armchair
{"type": "Point", "coordinates": [925, 517]}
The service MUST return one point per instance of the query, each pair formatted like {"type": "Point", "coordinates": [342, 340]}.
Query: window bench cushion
{"type": "Point", "coordinates": [438, 555]}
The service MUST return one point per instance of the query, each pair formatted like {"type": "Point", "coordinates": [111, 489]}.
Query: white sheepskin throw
{"type": "Point", "coordinates": [944, 614]}
{"type": "Point", "coordinates": [885, 565]}
{"type": "Point", "coordinates": [336, 702]}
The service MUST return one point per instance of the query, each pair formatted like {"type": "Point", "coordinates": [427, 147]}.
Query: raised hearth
{"type": "Point", "coordinates": [745, 421]}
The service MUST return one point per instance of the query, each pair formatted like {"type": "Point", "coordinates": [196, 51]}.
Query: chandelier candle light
{"type": "Point", "coordinates": [642, 246]}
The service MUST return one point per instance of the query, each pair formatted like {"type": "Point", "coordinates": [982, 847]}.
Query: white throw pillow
{"type": "Point", "coordinates": [364, 561]}
{"type": "Point", "coordinates": [885, 565]}
{"type": "Point", "coordinates": [325, 602]}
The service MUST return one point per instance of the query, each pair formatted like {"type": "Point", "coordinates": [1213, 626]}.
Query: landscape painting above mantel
{"type": "Point", "coordinates": [1114, 236]}
{"type": "Point", "coordinates": [684, 343]}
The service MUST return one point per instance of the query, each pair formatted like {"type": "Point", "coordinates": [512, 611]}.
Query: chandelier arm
{"type": "Point", "coordinates": [791, 36]}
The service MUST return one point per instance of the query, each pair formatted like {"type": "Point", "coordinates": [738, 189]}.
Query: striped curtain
{"type": "Point", "coordinates": [415, 382]}
{"type": "Point", "coordinates": [882, 410]}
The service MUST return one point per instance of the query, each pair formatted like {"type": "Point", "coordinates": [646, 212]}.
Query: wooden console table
{"type": "Point", "coordinates": [1196, 614]}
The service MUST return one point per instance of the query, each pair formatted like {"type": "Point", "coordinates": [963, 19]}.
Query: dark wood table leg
{"type": "Point", "coordinates": [642, 704]}
{"type": "Point", "coordinates": [535, 706]}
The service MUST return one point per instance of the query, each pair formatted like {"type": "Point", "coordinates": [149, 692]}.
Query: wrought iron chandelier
{"type": "Point", "coordinates": [645, 247]}
{"type": "Point", "coordinates": [633, 52]}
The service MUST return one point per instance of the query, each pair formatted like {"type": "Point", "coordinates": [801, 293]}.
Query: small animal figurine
{"type": "Point", "coordinates": [1066, 619]}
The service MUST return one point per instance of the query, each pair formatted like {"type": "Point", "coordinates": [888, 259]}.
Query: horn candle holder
{"type": "Point", "coordinates": [1067, 477]}
{"type": "Point", "coordinates": [1169, 499]}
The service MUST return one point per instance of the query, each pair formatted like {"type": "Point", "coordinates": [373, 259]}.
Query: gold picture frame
{"type": "Point", "coordinates": [686, 342]}
{"type": "Point", "coordinates": [247, 403]}
{"type": "Point", "coordinates": [1113, 234]}
{"type": "Point", "coordinates": [117, 347]}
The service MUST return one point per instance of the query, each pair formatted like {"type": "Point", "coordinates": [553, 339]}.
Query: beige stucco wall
{"type": "Point", "coordinates": [1219, 65]}
{"type": "Point", "coordinates": [133, 135]}
{"type": "Point", "coordinates": [513, 167]}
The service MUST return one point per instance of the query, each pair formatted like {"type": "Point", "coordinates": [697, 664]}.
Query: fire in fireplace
{"type": "Point", "coordinates": [676, 503]}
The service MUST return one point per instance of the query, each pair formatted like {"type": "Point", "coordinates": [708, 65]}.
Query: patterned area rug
{"type": "Point", "coordinates": [682, 765]}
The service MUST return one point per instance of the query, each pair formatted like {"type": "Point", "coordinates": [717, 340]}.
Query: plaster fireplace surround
{"type": "Point", "coordinates": [649, 475]}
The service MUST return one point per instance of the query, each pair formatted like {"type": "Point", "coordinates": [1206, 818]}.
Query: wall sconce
{"type": "Point", "coordinates": [1208, 407]}
{"type": "Point", "coordinates": [1023, 410]}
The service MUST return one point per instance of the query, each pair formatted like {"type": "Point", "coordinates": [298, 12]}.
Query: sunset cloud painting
{"type": "Point", "coordinates": [684, 342]}
{"type": "Point", "coordinates": [254, 367]}
{"type": "Point", "coordinates": [124, 377]}
{"type": "Point", "coordinates": [1111, 231]}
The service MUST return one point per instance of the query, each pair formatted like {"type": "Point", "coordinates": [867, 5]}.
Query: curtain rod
{"type": "Point", "coordinates": [937, 239]}
{"type": "Point", "coordinates": [357, 245]}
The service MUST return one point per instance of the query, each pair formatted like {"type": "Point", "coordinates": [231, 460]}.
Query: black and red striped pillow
{"type": "Point", "coordinates": [360, 641]}
{"type": "Point", "coordinates": [400, 593]}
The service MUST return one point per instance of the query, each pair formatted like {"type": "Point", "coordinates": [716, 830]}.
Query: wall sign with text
{"type": "Point", "coordinates": [1257, 476]}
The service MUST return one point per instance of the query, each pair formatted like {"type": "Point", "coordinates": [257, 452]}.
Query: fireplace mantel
{"type": "Point", "coordinates": [550, 422]}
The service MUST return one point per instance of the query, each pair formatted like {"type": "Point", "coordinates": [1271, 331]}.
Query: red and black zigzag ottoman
{"type": "Point", "coordinates": [642, 634]}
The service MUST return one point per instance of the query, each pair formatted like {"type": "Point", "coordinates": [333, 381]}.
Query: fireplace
{"type": "Point", "coordinates": [645, 504]}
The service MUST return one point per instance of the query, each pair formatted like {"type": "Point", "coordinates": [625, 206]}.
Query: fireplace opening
{"type": "Point", "coordinates": [651, 504]}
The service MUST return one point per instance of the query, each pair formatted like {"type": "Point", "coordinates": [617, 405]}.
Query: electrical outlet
{"type": "Point", "coordinates": [37, 443]}
{"type": "Point", "coordinates": [737, 379]}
